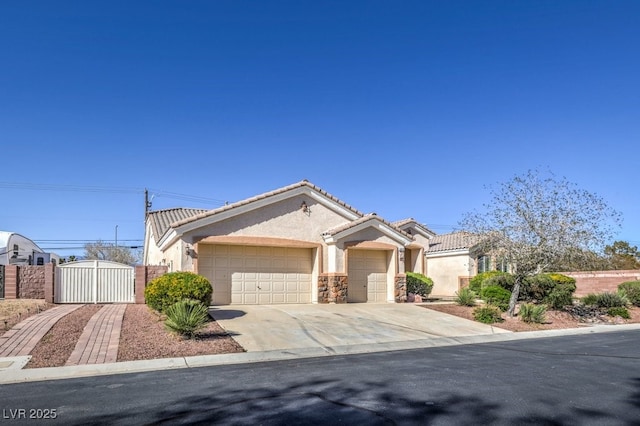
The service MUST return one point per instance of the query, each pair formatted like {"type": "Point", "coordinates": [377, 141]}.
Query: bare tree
{"type": "Point", "coordinates": [106, 251]}
{"type": "Point", "coordinates": [534, 219]}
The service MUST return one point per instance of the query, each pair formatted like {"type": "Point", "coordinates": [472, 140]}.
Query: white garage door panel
{"type": "Point", "coordinates": [258, 275]}
{"type": "Point", "coordinates": [367, 276]}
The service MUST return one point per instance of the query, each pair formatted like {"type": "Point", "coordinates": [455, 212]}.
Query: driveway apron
{"type": "Point", "coordinates": [277, 327]}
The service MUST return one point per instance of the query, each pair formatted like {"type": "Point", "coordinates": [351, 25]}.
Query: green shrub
{"type": "Point", "coordinates": [535, 288]}
{"type": "Point", "coordinates": [610, 300]}
{"type": "Point", "coordinates": [531, 313]}
{"type": "Point", "coordinates": [487, 314]}
{"type": "Point", "coordinates": [465, 297]}
{"type": "Point", "coordinates": [419, 284]}
{"type": "Point", "coordinates": [565, 280]}
{"type": "Point", "coordinates": [503, 279]}
{"type": "Point", "coordinates": [475, 284]}
{"type": "Point", "coordinates": [590, 299]}
{"type": "Point", "coordinates": [632, 290]}
{"type": "Point", "coordinates": [186, 317]}
{"type": "Point", "coordinates": [497, 296]}
{"type": "Point", "coordinates": [170, 288]}
{"type": "Point", "coordinates": [559, 297]}
{"type": "Point", "coordinates": [619, 312]}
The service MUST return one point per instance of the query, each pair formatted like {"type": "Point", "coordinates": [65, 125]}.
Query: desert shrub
{"type": "Point", "coordinates": [465, 297]}
{"type": "Point", "coordinates": [618, 312]}
{"type": "Point", "coordinates": [497, 296]}
{"type": "Point", "coordinates": [611, 300]}
{"type": "Point", "coordinates": [502, 279]}
{"type": "Point", "coordinates": [419, 284]}
{"type": "Point", "coordinates": [561, 279]}
{"type": "Point", "coordinates": [186, 317]}
{"type": "Point", "coordinates": [487, 314]}
{"type": "Point", "coordinates": [535, 288]}
{"type": "Point", "coordinates": [559, 297]}
{"type": "Point", "coordinates": [531, 313]}
{"type": "Point", "coordinates": [632, 290]}
{"type": "Point", "coordinates": [170, 288]}
{"type": "Point", "coordinates": [475, 284]}
{"type": "Point", "coordinates": [590, 299]}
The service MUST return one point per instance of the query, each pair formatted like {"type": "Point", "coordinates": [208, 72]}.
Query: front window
{"type": "Point", "coordinates": [484, 264]}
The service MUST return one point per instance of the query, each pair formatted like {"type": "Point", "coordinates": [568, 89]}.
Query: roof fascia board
{"type": "Point", "coordinates": [257, 204]}
{"type": "Point", "coordinates": [382, 227]}
{"type": "Point", "coordinates": [445, 253]}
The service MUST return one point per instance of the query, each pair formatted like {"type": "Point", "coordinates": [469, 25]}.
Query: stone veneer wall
{"type": "Point", "coordinates": [400, 288]}
{"type": "Point", "coordinates": [30, 282]}
{"type": "Point", "coordinates": [332, 288]}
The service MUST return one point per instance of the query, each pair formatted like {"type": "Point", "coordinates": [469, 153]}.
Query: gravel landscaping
{"type": "Point", "coordinates": [13, 311]}
{"type": "Point", "coordinates": [554, 319]}
{"type": "Point", "coordinates": [144, 336]}
{"type": "Point", "coordinates": [56, 346]}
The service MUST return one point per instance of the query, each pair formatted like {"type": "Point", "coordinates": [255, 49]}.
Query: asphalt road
{"type": "Point", "coordinates": [573, 380]}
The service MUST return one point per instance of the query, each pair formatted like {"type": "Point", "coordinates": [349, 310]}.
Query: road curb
{"type": "Point", "coordinates": [127, 367]}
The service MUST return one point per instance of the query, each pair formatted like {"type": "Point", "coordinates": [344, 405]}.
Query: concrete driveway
{"type": "Point", "coordinates": [277, 327]}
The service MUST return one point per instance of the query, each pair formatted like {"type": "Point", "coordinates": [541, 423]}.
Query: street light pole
{"type": "Point", "coordinates": [116, 236]}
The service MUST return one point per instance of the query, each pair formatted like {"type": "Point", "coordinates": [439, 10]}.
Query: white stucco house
{"type": "Point", "coordinates": [297, 244]}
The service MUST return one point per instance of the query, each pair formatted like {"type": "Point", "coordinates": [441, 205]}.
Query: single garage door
{"type": "Point", "coordinates": [251, 275]}
{"type": "Point", "coordinates": [367, 276]}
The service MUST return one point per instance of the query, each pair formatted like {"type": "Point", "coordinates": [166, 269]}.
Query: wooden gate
{"type": "Point", "coordinates": [94, 281]}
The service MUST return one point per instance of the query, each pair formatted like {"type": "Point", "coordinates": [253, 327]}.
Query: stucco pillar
{"type": "Point", "coordinates": [401, 266]}
{"type": "Point", "coordinates": [332, 258]}
{"type": "Point", "coordinates": [140, 283]}
{"type": "Point", "coordinates": [11, 282]}
{"type": "Point", "coordinates": [49, 282]}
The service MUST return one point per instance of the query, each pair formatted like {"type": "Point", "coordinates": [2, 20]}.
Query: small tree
{"type": "Point", "coordinates": [533, 220]}
{"type": "Point", "coordinates": [106, 251]}
{"type": "Point", "coordinates": [623, 255]}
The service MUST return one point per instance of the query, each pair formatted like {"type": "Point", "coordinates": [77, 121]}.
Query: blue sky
{"type": "Point", "coordinates": [403, 108]}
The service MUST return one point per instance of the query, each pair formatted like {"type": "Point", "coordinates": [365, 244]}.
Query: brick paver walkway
{"type": "Point", "coordinates": [25, 335]}
{"type": "Point", "coordinates": [99, 341]}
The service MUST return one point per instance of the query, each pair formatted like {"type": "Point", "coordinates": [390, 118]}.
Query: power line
{"type": "Point", "coordinates": [107, 189]}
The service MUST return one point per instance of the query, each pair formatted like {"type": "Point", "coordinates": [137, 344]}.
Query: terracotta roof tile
{"type": "Point", "coordinates": [208, 213]}
{"type": "Point", "coordinates": [453, 241]}
{"type": "Point", "coordinates": [363, 219]}
{"type": "Point", "coordinates": [401, 223]}
{"type": "Point", "coordinates": [161, 220]}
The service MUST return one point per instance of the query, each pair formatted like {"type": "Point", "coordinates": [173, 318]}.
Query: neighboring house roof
{"type": "Point", "coordinates": [161, 220]}
{"type": "Point", "coordinates": [453, 241]}
{"type": "Point", "coordinates": [412, 221]}
{"type": "Point", "coordinates": [367, 218]}
{"type": "Point", "coordinates": [273, 193]}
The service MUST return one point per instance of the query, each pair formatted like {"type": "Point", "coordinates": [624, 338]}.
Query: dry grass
{"type": "Point", "coordinates": [15, 310]}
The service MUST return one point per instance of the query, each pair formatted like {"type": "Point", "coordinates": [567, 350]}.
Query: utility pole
{"type": "Point", "coordinates": [147, 204]}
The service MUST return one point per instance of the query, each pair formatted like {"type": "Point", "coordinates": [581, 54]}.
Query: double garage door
{"type": "Point", "coordinates": [251, 275]}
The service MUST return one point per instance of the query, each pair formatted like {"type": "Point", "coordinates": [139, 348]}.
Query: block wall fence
{"type": "Point", "coordinates": [38, 282]}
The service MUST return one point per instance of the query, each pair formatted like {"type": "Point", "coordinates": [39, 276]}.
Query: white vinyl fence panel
{"type": "Point", "coordinates": [95, 281]}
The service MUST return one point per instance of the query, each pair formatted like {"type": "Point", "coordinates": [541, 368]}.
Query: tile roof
{"type": "Point", "coordinates": [453, 241]}
{"type": "Point", "coordinates": [364, 219]}
{"type": "Point", "coordinates": [161, 220]}
{"type": "Point", "coordinates": [207, 213]}
{"type": "Point", "coordinates": [401, 223]}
